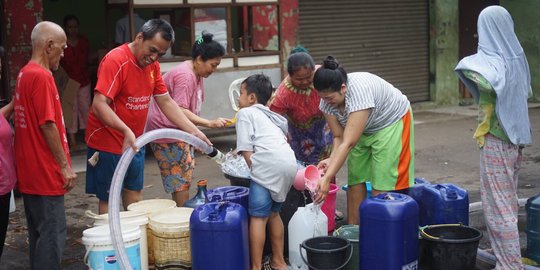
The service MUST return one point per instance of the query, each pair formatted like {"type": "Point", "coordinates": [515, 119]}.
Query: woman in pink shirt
{"type": "Point", "coordinates": [176, 159]}
{"type": "Point", "coordinates": [7, 165]}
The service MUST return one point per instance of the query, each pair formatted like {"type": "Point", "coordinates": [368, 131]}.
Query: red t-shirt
{"type": "Point", "coordinates": [75, 61]}
{"type": "Point", "coordinates": [36, 103]}
{"type": "Point", "coordinates": [130, 88]}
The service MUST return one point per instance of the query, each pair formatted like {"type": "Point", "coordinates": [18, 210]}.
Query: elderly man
{"type": "Point", "coordinates": [41, 149]}
{"type": "Point", "coordinates": [128, 78]}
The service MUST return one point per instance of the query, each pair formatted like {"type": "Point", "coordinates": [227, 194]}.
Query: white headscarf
{"type": "Point", "coordinates": [500, 60]}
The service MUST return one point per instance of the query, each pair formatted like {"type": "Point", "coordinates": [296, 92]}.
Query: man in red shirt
{"type": "Point", "coordinates": [128, 77]}
{"type": "Point", "coordinates": [41, 149]}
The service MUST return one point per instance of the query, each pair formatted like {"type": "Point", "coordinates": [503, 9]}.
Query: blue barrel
{"type": "Point", "coordinates": [234, 194]}
{"type": "Point", "coordinates": [388, 232]}
{"type": "Point", "coordinates": [533, 228]}
{"type": "Point", "coordinates": [219, 237]}
{"type": "Point", "coordinates": [443, 204]}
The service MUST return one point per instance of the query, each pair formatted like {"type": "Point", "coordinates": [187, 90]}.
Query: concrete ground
{"type": "Point", "coordinates": [445, 153]}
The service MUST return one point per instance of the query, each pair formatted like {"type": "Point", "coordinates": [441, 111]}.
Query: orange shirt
{"type": "Point", "coordinates": [36, 103]}
{"type": "Point", "coordinates": [130, 88]}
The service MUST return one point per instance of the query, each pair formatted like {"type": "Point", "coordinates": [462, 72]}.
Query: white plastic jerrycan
{"type": "Point", "coordinates": [307, 222]}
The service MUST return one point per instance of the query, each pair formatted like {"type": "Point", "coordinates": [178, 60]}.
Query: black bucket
{"type": "Point", "coordinates": [326, 252]}
{"type": "Point", "coordinates": [449, 247]}
{"type": "Point", "coordinates": [237, 181]}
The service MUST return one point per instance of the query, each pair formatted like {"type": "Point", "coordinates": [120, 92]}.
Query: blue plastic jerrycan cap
{"type": "Point", "coordinates": [390, 196]}
{"type": "Point", "coordinates": [451, 194]}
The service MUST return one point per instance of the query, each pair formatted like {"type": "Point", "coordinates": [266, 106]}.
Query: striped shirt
{"type": "Point", "coordinates": [369, 91]}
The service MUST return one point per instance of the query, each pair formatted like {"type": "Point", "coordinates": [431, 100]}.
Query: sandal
{"type": "Point", "coordinates": [266, 263]}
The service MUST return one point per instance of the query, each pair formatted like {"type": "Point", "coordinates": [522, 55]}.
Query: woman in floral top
{"type": "Point", "coordinates": [295, 98]}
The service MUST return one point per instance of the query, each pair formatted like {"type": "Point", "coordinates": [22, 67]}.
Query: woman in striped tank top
{"type": "Point", "coordinates": [372, 124]}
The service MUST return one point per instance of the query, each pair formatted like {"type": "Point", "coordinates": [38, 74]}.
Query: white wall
{"type": "Point", "coordinates": [216, 90]}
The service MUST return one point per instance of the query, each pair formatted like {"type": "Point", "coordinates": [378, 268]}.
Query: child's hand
{"type": "Point", "coordinates": [230, 122]}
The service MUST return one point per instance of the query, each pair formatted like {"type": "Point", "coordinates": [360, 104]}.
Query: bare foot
{"type": "Point", "coordinates": [279, 266]}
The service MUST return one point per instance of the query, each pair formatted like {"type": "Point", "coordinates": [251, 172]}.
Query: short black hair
{"type": "Point", "coordinates": [299, 60]}
{"type": "Point", "coordinates": [330, 76]}
{"type": "Point", "coordinates": [260, 85]}
{"type": "Point", "coordinates": [207, 48]}
{"type": "Point", "coordinates": [153, 26]}
{"type": "Point", "coordinates": [70, 17]}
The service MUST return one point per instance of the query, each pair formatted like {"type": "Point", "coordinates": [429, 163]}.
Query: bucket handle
{"type": "Point", "coordinates": [93, 215]}
{"type": "Point", "coordinates": [424, 233]}
{"type": "Point", "coordinates": [88, 250]}
{"type": "Point", "coordinates": [234, 191]}
{"type": "Point", "coordinates": [310, 266]}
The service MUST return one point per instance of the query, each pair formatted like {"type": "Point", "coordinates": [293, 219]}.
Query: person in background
{"type": "Point", "coordinates": [75, 63]}
{"type": "Point", "coordinates": [498, 77]}
{"type": "Point", "coordinates": [297, 99]}
{"type": "Point", "coordinates": [41, 149]}
{"type": "Point", "coordinates": [122, 32]}
{"type": "Point", "coordinates": [128, 78]}
{"type": "Point", "coordinates": [262, 141]}
{"type": "Point", "coordinates": [373, 130]}
{"type": "Point", "coordinates": [176, 159]}
{"type": "Point", "coordinates": [8, 177]}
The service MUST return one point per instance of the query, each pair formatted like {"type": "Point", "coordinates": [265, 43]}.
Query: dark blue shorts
{"type": "Point", "coordinates": [260, 201]}
{"type": "Point", "coordinates": [99, 178]}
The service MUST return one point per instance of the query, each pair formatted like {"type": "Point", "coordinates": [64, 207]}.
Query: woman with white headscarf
{"type": "Point", "coordinates": [498, 78]}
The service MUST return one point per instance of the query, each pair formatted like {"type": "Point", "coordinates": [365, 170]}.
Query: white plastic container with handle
{"type": "Point", "coordinates": [307, 222]}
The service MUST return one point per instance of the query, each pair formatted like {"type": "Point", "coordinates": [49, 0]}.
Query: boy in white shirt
{"type": "Point", "coordinates": [262, 141]}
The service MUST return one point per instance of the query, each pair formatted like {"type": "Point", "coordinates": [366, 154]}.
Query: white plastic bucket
{"type": "Point", "coordinates": [100, 252]}
{"type": "Point", "coordinates": [148, 207]}
{"type": "Point", "coordinates": [151, 206]}
{"type": "Point", "coordinates": [170, 238]}
{"type": "Point", "coordinates": [131, 218]}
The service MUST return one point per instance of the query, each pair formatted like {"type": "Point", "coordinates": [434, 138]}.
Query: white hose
{"type": "Point", "coordinates": [477, 206]}
{"type": "Point", "coordinates": [118, 180]}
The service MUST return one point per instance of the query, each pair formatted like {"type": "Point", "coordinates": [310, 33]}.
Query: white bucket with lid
{"type": "Point", "coordinates": [148, 207]}
{"type": "Point", "coordinates": [170, 238]}
{"type": "Point", "coordinates": [131, 218]}
{"type": "Point", "coordinates": [151, 206]}
{"type": "Point", "coordinates": [100, 252]}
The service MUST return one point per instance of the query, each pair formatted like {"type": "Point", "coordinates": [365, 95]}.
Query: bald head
{"type": "Point", "coordinates": [44, 31]}
{"type": "Point", "coordinates": [48, 44]}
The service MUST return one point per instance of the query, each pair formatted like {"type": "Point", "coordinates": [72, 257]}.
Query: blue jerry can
{"type": "Point", "coordinates": [443, 204]}
{"type": "Point", "coordinates": [388, 232]}
{"type": "Point", "coordinates": [219, 237]}
{"type": "Point", "coordinates": [533, 228]}
{"type": "Point", "coordinates": [234, 194]}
